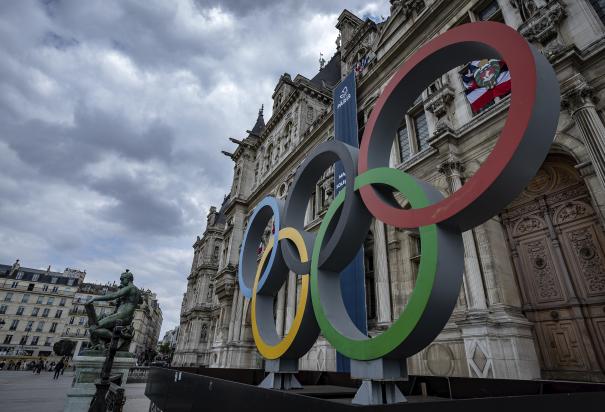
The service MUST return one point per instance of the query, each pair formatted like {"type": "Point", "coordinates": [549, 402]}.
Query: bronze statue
{"type": "Point", "coordinates": [127, 298]}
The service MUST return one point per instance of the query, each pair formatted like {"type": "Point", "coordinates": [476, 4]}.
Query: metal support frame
{"type": "Point", "coordinates": [379, 381]}
{"type": "Point", "coordinates": [282, 374]}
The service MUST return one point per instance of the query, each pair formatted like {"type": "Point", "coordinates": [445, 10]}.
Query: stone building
{"type": "Point", "coordinates": [34, 308]}
{"type": "Point", "coordinates": [533, 300]}
{"type": "Point", "coordinates": [147, 323]}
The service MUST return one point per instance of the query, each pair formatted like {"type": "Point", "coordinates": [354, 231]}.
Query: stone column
{"type": "Point", "coordinates": [580, 103]}
{"type": "Point", "coordinates": [472, 269]}
{"type": "Point", "coordinates": [237, 326]}
{"type": "Point", "coordinates": [381, 275]}
{"type": "Point", "coordinates": [290, 301]}
{"type": "Point", "coordinates": [231, 311]}
{"type": "Point", "coordinates": [279, 316]}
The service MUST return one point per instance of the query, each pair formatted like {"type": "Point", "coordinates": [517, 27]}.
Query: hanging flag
{"type": "Point", "coordinates": [484, 80]}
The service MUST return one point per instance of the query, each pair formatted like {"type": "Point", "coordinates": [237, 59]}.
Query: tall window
{"type": "Point", "coordinates": [30, 325]}
{"type": "Point", "coordinates": [422, 130]}
{"type": "Point", "coordinates": [35, 311]}
{"type": "Point", "coordinates": [39, 300]}
{"type": "Point", "coordinates": [14, 284]}
{"type": "Point", "coordinates": [48, 341]}
{"type": "Point", "coordinates": [35, 340]}
{"type": "Point", "coordinates": [19, 275]}
{"type": "Point", "coordinates": [53, 327]}
{"type": "Point", "coordinates": [489, 11]}
{"type": "Point", "coordinates": [35, 277]}
{"type": "Point", "coordinates": [58, 314]}
{"type": "Point", "coordinates": [62, 302]}
{"type": "Point", "coordinates": [55, 289]}
{"type": "Point", "coordinates": [40, 327]}
{"type": "Point", "coordinates": [8, 297]}
{"type": "Point", "coordinates": [45, 312]}
{"type": "Point", "coordinates": [14, 325]}
{"type": "Point", "coordinates": [45, 288]}
{"type": "Point", "coordinates": [3, 309]}
{"type": "Point", "coordinates": [599, 6]}
{"type": "Point", "coordinates": [8, 339]}
{"type": "Point", "coordinates": [404, 143]}
{"type": "Point", "coordinates": [50, 300]}
{"type": "Point", "coordinates": [23, 340]}
{"type": "Point", "coordinates": [20, 310]}
{"type": "Point", "coordinates": [25, 298]}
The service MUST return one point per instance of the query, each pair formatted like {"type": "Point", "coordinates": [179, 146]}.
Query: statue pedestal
{"type": "Point", "coordinates": [88, 370]}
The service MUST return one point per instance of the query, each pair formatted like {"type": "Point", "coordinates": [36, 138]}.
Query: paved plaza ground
{"type": "Point", "coordinates": [27, 392]}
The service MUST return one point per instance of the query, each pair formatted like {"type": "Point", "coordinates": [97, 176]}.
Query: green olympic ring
{"type": "Point", "coordinates": [437, 284]}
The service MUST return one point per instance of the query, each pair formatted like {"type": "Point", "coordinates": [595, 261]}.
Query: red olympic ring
{"type": "Point", "coordinates": [527, 133]}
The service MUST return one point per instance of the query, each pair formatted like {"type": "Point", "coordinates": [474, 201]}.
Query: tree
{"type": "Point", "coordinates": [64, 347]}
{"type": "Point", "coordinates": [165, 348]}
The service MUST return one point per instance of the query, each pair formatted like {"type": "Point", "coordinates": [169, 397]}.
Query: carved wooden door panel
{"type": "Point", "coordinates": [558, 250]}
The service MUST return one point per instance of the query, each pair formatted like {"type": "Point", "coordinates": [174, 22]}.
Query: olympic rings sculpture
{"type": "Point", "coordinates": [319, 257]}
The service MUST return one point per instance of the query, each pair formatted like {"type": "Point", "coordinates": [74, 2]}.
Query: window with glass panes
{"type": "Point", "coordinates": [599, 6]}
{"type": "Point", "coordinates": [8, 339]}
{"type": "Point", "coordinates": [14, 325]}
{"type": "Point", "coordinates": [20, 310]}
{"type": "Point", "coordinates": [421, 129]}
{"type": "Point", "coordinates": [23, 340]}
{"type": "Point", "coordinates": [35, 340]}
{"type": "Point", "coordinates": [40, 326]}
{"type": "Point", "coordinates": [404, 143]}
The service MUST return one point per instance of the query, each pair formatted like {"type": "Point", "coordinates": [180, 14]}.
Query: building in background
{"type": "Point", "coordinates": [533, 301]}
{"type": "Point", "coordinates": [34, 308]}
{"type": "Point", "coordinates": [147, 324]}
{"type": "Point", "coordinates": [40, 307]}
{"type": "Point", "coordinates": [170, 338]}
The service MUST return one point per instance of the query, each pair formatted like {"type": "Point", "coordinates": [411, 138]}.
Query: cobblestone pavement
{"type": "Point", "coordinates": [27, 392]}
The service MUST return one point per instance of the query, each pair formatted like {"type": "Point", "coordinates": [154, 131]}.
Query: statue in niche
{"type": "Point", "coordinates": [127, 298]}
{"type": "Point", "coordinates": [527, 8]}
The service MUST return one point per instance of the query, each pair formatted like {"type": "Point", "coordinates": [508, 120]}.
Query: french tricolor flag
{"type": "Point", "coordinates": [484, 80]}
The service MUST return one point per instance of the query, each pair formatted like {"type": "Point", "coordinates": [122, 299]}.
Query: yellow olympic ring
{"type": "Point", "coordinates": [276, 350]}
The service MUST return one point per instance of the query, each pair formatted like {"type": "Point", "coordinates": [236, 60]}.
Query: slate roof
{"type": "Point", "coordinates": [329, 76]}
{"type": "Point", "coordinates": [43, 275]}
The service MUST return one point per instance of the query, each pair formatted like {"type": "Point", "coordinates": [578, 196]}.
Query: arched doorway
{"type": "Point", "coordinates": [558, 249]}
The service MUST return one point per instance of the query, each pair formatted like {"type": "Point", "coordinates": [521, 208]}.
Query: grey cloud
{"type": "Point", "coordinates": [113, 115]}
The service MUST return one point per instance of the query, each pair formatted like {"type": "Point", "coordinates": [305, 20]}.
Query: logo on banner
{"type": "Point", "coordinates": [320, 257]}
{"type": "Point", "coordinates": [344, 97]}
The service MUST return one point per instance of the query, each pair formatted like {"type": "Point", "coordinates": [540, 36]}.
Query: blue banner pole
{"type": "Point", "coordinates": [352, 279]}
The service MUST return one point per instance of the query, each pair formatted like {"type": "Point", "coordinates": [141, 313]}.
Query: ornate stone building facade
{"type": "Point", "coordinates": [533, 300]}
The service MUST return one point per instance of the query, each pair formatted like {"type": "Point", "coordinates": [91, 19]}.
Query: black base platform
{"type": "Point", "coordinates": [205, 389]}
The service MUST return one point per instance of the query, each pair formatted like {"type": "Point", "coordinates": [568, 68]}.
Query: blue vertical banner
{"type": "Point", "coordinates": [352, 279]}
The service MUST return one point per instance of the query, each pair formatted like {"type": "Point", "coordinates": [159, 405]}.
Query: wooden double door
{"type": "Point", "coordinates": [558, 249]}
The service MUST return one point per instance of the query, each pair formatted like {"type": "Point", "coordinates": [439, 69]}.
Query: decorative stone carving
{"type": "Point", "coordinates": [407, 7]}
{"type": "Point", "coordinates": [547, 286]}
{"type": "Point", "coordinates": [438, 102]}
{"type": "Point", "coordinates": [590, 261]}
{"type": "Point", "coordinates": [570, 212]}
{"type": "Point", "coordinates": [542, 24]}
{"type": "Point", "coordinates": [528, 225]}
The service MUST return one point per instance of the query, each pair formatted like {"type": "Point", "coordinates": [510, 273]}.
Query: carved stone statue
{"type": "Point", "coordinates": [127, 298]}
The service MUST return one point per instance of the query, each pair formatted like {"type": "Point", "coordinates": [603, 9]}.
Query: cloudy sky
{"type": "Point", "coordinates": [113, 115]}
